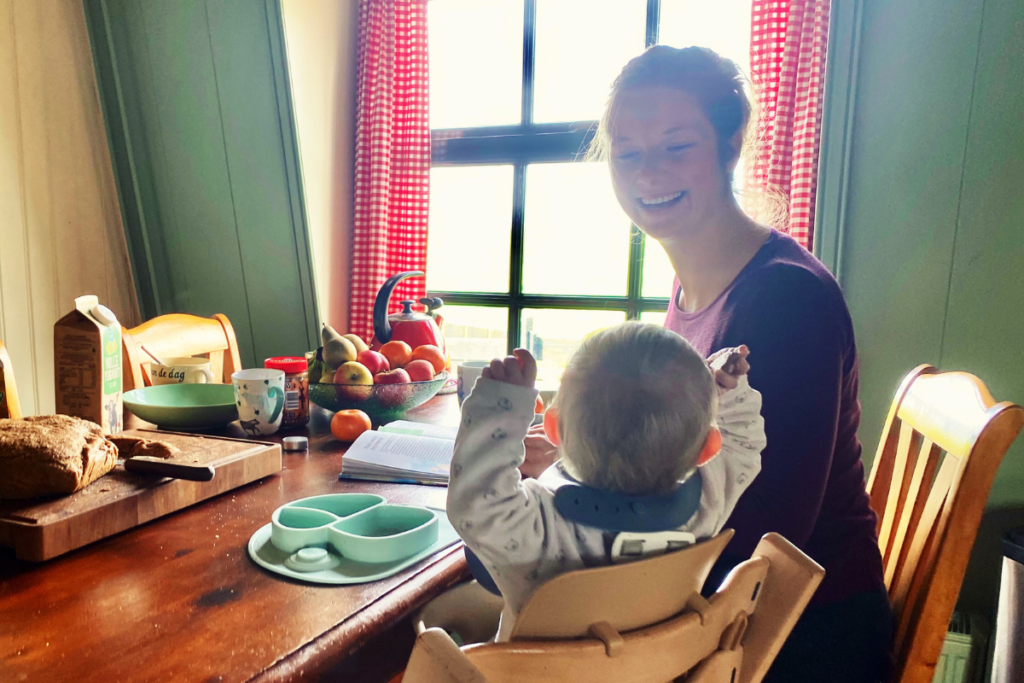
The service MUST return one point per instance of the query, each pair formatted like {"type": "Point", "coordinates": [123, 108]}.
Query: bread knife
{"type": "Point", "coordinates": [142, 464]}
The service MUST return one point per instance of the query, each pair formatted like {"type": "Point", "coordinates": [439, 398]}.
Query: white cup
{"type": "Point", "coordinates": [181, 371]}
{"type": "Point", "coordinates": [469, 371]}
{"type": "Point", "coordinates": [259, 395]}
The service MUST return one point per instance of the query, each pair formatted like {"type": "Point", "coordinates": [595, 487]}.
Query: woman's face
{"type": "Point", "coordinates": [664, 162]}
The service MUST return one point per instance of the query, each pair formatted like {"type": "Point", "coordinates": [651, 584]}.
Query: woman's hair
{"type": "Point", "coordinates": [718, 86]}
{"type": "Point", "coordinates": [634, 408]}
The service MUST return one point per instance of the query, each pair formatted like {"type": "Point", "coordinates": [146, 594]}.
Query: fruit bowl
{"type": "Point", "coordinates": [382, 402]}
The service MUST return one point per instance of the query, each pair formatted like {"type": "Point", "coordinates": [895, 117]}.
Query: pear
{"type": "Point", "coordinates": [357, 342]}
{"type": "Point", "coordinates": [339, 351]}
{"type": "Point", "coordinates": [328, 333]}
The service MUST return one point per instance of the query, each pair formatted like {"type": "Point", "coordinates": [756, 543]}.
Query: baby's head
{"type": "Point", "coordinates": [635, 409]}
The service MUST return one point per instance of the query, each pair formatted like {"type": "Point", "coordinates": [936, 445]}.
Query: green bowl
{"type": "Point", "coordinates": [382, 402]}
{"type": "Point", "coordinates": [184, 406]}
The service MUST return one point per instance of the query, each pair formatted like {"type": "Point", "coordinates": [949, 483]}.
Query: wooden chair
{"type": "Point", "coordinates": [650, 624]}
{"type": "Point", "coordinates": [9, 406]}
{"type": "Point", "coordinates": [942, 444]}
{"type": "Point", "coordinates": [178, 335]}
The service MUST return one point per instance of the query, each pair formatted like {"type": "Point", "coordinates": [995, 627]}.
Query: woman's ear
{"type": "Point", "coordinates": [736, 145]}
{"type": "Point", "coordinates": [712, 445]}
{"type": "Point", "coordinates": [551, 425]}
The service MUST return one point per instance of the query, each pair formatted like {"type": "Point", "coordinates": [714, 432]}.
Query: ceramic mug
{"type": "Point", "coordinates": [259, 395]}
{"type": "Point", "coordinates": [181, 371]}
{"type": "Point", "coordinates": [468, 373]}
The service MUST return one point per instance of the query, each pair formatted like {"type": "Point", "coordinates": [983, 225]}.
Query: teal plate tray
{"type": "Point", "coordinates": [345, 571]}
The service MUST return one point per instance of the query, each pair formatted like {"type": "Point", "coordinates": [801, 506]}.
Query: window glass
{"type": "Point", "coordinates": [722, 25]}
{"type": "Point", "coordinates": [653, 318]}
{"type": "Point", "coordinates": [581, 47]}
{"type": "Point", "coordinates": [476, 62]}
{"type": "Point", "coordinates": [576, 235]}
{"type": "Point", "coordinates": [474, 333]}
{"type": "Point", "coordinates": [658, 272]}
{"type": "Point", "coordinates": [553, 335]}
{"type": "Point", "coordinates": [470, 228]}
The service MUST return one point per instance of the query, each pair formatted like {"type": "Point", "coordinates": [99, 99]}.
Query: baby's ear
{"type": "Point", "coordinates": [551, 425]}
{"type": "Point", "coordinates": [712, 445]}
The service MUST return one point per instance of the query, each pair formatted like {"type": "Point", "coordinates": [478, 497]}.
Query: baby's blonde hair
{"type": "Point", "coordinates": [634, 409]}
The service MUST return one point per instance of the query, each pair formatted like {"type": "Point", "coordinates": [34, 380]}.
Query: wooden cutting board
{"type": "Point", "coordinates": [40, 529]}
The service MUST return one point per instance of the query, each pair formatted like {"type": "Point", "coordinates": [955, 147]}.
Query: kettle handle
{"type": "Point", "coordinates": [381, 326]}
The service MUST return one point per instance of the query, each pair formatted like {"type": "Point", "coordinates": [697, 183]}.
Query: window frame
{"type": "Point", "coordinates": [519, 146]}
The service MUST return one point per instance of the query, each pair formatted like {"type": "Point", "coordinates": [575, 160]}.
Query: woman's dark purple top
{"type": "Point", "coordinates": [790, 311]}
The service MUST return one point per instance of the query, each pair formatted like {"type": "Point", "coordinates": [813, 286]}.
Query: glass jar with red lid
{"type": "Point", "coordinates": [296, 389]}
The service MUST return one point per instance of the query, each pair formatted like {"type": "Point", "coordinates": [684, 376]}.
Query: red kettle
{"type": "Point", "coordinates": [415, 329]}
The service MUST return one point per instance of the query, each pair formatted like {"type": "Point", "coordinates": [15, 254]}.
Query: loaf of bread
{"type": "Point", "coordinates": [52, 454]}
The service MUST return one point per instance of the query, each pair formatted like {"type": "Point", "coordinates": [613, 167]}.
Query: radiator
{"type": "Point", "coordinates": [964, 652]}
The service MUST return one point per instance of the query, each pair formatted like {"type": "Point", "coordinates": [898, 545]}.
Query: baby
{"type": "Point", "coordinates": [637, 412]}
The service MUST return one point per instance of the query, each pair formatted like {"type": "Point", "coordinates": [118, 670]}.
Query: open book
{"type": "Point", "coordinates": [407, 452]}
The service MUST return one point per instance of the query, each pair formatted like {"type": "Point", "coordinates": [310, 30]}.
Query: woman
{"type": "Point", "coordinates": [672, 134]}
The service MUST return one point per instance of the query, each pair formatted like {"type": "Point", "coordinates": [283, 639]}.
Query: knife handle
{"type": "Point", "coordinates": [147, 465]}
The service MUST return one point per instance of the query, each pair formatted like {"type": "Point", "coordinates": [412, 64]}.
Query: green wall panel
{"type": "Point", "coordinates": [195, 98]}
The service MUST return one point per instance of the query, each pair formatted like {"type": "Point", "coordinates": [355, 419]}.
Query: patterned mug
{"type": "Point", "coordinates": [259, 395]}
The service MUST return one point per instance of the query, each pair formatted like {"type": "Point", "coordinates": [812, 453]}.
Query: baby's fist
{"type": "Point", "coordinates": [520, 368]}
{"type": "Point", "coordinates": [728, 365]}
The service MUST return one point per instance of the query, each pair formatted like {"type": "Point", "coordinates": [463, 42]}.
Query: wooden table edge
{"type": "Point", "coordinates": [335, 645]}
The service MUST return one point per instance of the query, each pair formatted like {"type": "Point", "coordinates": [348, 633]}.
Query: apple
{"type": "Point", "coordinates": [356, 342]}
{"type": "Point", "coordinates": [353, 372]}
{"type": "Point", "coordinates": [374, 361]}
{"type": "Point", "coordinates": [420, 371]}
{"type": "Point", "coordinates": [398, 376]}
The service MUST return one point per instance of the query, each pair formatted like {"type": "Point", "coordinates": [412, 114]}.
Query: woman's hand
{"type": "Point", "coordinates": [728, 365]}
{"type": "Point", "coordinates": [520, 369]}
{"type": "Point", "coordinates": [540, 453]}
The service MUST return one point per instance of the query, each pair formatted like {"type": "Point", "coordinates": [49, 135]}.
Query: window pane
{"type": "Point", "coordinates": [658, 272]}
{"type": "Point", "coordinates": [576, 235]}
{"type": "Point", "coordinates": [581, 48]}
{"type": "Point", "coordinates": [474, 333]}
{"type": "Point", "coordinates": [476, 62]}
{"type": "Point", "coordinates": [653, 318]}
{"type": "Point", "coordinates": [554, 335]}
{"type": "Point", "coordinates": [723, 26]}
{"type": "Point", "coordinates": [470, 228]}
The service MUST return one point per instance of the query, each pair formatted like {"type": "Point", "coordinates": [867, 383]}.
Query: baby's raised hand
{"type": "Point", "coordinates": [520, 368]}
{"type": "Point", "coordinates": [728, 365]}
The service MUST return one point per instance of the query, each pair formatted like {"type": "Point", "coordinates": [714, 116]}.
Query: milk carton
{"type": "Point", "coordinates": [87, 364]}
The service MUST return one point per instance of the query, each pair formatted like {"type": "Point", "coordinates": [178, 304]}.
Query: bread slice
{"type": "Point", "coordinates": [51, 454]}
{"type": "Point", "coordinates": [133, 446]}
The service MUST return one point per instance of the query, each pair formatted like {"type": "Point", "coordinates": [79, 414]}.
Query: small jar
{"type": "Point", "coordinates": [296, 390]}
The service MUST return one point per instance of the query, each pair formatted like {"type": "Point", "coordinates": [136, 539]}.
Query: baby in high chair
{"type": "Point", "coordinates": [637, 413]}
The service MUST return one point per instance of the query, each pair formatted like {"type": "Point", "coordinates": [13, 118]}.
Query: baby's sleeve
{"type": "Point", "coordinates": [496, 515]}
{"type": "Point", "coordinates": [727, 475]}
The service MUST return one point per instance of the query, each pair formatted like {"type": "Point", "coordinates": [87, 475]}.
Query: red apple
{"type": "Point", "coordinates": [374, 361]}
{"type": "Point", "coordinates": [420, 371]}
{"type": "Point", "coordinates": [398, 376]}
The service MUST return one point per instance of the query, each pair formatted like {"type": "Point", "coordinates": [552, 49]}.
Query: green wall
{"type": "Point", "coordinates": [198, 113]}
{"type": "Point", "coordinates": [922, 208]}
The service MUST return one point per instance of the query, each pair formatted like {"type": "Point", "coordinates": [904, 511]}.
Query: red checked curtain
{"type": "Point", "coordinates": [787, 65]}
{"type": "Point", "coordinates": [392, 154]}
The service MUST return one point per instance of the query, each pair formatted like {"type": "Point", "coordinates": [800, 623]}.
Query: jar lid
{"type": "Point", "coordinates": [296, 443]}
{"type": "Point", "coordinates": [290, 364]}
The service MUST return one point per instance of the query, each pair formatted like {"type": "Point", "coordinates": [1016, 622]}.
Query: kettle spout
{"type": "Point", "coordinates": [381, 326]}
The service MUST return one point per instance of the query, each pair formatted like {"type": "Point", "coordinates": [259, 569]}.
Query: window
{"type": "Point", "coordinates": [528, 246]}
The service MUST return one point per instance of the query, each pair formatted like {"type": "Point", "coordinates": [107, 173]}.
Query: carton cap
{"type": "Point", "coordinates": [103, 315]}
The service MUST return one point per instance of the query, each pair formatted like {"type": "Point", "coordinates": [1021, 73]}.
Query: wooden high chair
{"type": "Point", "coordinates": [649, 625]}
{"type": "Point", "coordinates": [9, 406]}
{"type": "Point", "coordinates": [942, 444]}
{"type": "Point", "coordinates": [178, 335]}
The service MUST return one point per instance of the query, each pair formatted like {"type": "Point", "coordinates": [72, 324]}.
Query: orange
{"type": "Point", "coordinates": [431, 354]}
{"type": "Point", "coordinates": [398, 353]}
{"type": "Point", "coordinates": [347, 425]}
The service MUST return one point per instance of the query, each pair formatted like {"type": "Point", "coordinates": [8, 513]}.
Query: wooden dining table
{"type": "Point", "coordinates": [179, 599]}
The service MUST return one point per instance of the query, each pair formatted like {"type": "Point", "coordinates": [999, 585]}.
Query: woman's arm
{"type": "Point", "coordinates": [798, 334]}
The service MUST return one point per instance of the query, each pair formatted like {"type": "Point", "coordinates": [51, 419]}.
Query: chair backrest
{"type": "Point", "coordinates": [732, 637]}
{"type": "Point", "coordinates": [941, 446]}
{"type": "Point", "coordinates": [620, 594]}
{"type": "Point", "coordinates": [178, 335]}
{"type": "Point", "coordinates": [9, 406]}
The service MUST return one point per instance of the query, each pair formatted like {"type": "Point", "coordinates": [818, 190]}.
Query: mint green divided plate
{"type": "Point", "coordinates": [340, 570]}
{"type": "Point", "coordinates": [184, 406]}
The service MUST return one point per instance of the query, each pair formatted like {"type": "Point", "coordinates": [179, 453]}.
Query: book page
{"type": "Point", "coordinates": [421, 429]}
{"type": "Point", "coordinates": [402, 452]}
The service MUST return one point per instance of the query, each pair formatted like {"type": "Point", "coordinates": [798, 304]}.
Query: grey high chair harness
{"type": "Point", "coordinates": [637, 525]}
